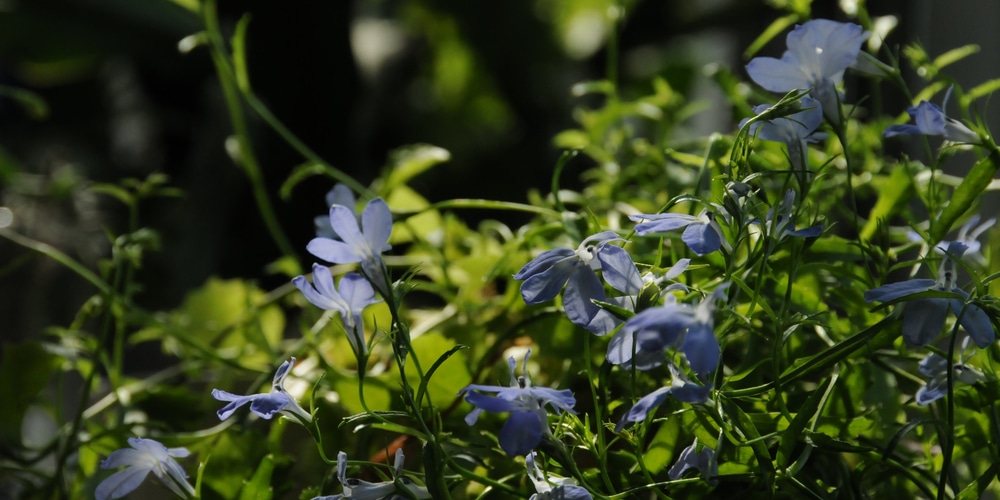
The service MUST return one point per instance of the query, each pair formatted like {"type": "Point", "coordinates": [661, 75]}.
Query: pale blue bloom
{"type": "Point", "coordinates": [680, 326]}
{"type": "Point", "coordinates": [552, 487]}
{"type": "Point", "coordinates": [546, 274]}
{"type": "Point", "coordinates": [144, 456]}
{"type": "Point", "coordinates": [528, 420]}
{"type": "Point", "coordinates": [265, 405]}
{"type": "Point", "coordinates": [935, 367]}
{"type": "Point", "coordinates": [703, 461]}
{"type": "Point", "coordinates": [924, 318]}
{"type": "Point", "coordinates": [783, 224]}
{"type": "Point", "coordinates": [702, 233]}
{"type": "Point", "coordinates": [354, 295]}
{"type": "Point", "coordinates": [928, 119]}
{"type": "Point", "coordinates": [968, 235]}
{"type": "Point", "coordinates": [818, 53]}
{"type": "Point", "coordinates": [795, 130]}
{"type": "Point", "coordinates": [339, 195]}
{"type": "Point", "coordinates": [357, 489]}
{"type": "Point", "coordinates": [680, 387]}
{"type": "Point", "coordinates": [364, 243]}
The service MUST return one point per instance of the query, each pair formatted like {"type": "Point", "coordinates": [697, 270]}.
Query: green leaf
{"type": "Point", "coordinates": [776, 27]}
{"type": "Point", "coordinates": [240, 53]}
{"type": "Point", "coordinates": [410, 161]}
{"type": "Point", "coordinates": [895, 193]}
{"type": "Point", "coordinates": [968, 192]}
{"type": "Point", "coordinates": [955, 55]}
{"type": "Point", "coordinates": [429, 349]}
{"type": "Point", "coordinates": [791, 436]}
{"type": "Point", "coordinates": [259, 485]}
{"type": "Point", "coordinates": [33, 104]}
{"type": "Point", "coordinates": [983, 89]}
{"type": "Point", "coordinates": [24, 373]}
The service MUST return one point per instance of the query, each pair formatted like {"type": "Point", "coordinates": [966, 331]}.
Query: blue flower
{"type": "Point", "coordinates": [783, 224]}
{"type": "Point", "coordinates": [265, 405]}
{"type": "Point", "coordinates": [702, 234]}
{"type": "Point", "coordinates": [794, 130]}
{"type": "Point", "coordinates": [929, 119]}
{"type": "Point", "coordinates": [339, 195]}
{"type": "Point", "coordinates": [680, 387]}
{"type": "Point", "coordinates": [552, 487]}
{"type": "Point", "coordinates": [936, 367]}
{"type": "Point", "coordinates": [923, 318]}
{"type": "Point", "coordinates": [703, 461]}
{"type": "Point", "coordinates": [144, 456]}
{"type": "Point", "coordinates": [355, 244]}
{"type": "Point", "coordinates": [546, 274]}
{"type": "Point", "coordinates": [357, 489]}
{"type": "Point", "coordinates": [818, 53]}
{"type": "Point", "coordinates": [528, 420]}
{"type": "Point", "coordinates": [354, 295]}
{"type": "Point", "coordinates": [644, 337]}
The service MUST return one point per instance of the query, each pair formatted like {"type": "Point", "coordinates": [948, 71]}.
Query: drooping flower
{"type": "Point", "coordinates": [552, 487]}
{"type": "Point", "coordinates": [818, 53]}
{"type": "Point", "coordinates": [364, 243]}
{"type": "Point", "coordinates": [546, 274]}
{"type": "Point", "coordinates": [265, 405]}
{"type": "Point", "coordinates": [339, 195]}
{"type": "Point", "coordinates": [354, 295]}
{"type": "Point", "coordinates": [644, 337]}
{"type": "Point", "coordinates": [935, 367]}
{"type": "Point", "coordinates": [357, 489]}
{"type": "Point", "coordinates": [703, 461]}
{"type": "Point", "coordinates": [783, 224]}
{"type": "Point", "coordinates": [144, 456]}
{"type": "Point", "coordinates": [794, 130]}
{"type": "Point", "coordinates": [702, 233]}
{"type": "Point", "coordinates": [528, 420]}
{"type": "Point", "coordinates": [681, 388]}
{"type": "Point", "coordinates": [928, 119]}
{"type": "Point", "coordinates": [924, 318]}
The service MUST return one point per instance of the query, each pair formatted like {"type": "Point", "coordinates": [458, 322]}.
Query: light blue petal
{"type": "Point", "coordinates": [312, 295]}
{"type": "Point", "coordinates": [544, 261]}
{"type": "Point", "coordinates": [279, 375]}
{"type": "Point", "coordinates": [679, 267]}
{"type": "Point", "coordinates": [928, 118]}
{"type": "Point", "coordinates": [357, 291]}
{"type": "Point", "coordinates": [933, 390]}
{"type": "Point", "coordinates": [569, 492]}
{"type": "Point", "coordinates": [975, 321]}
{"type": "Point", "coordinates": [333, 251]}
{"type": "Point", "coordinates": [810, 232]}
{"type": "Point", "coordinates": [827, 47]}
{"type": "Point", "coordinates": [490, 403]}
{"type": "Point", "coordinates": [376, 221]}
{"type": "Point", "coordinates": [932, 365]}
{"type": "Point", "coordinates": [619, 270]}
{"type": "Point", "coordinates": [582, 286]}
{"type": "Point", "coordinates": [702, 238]}
{"type": "Point", "coordinates": [266, 405]}
{"type": "Point", "coordinates": [657, 223]}
{"type": "Point", "coordinates": [341, 195]}
{"type": "Point", "coordinates": [121, 483]}
{"type": "Point", "coordinates": [642, 407]}
{"type": "Point", "coordinates": [688, 459]}
{"type": "Point", "coordinates": [345, 224]}
{"type": "Point", "coordinates": [561, 400]}
{"type": "Point", "coordinates": [923, 320]}
{"type": "Point", "coordinates": [777, 75]}
{"type": "Point", "coordinates": [892, 291]}
{"type": "Point", "coordinates": [545, 285]}
{"type": "Point", "coordinates": [323, 280]}
{"type": "Point", "coordinates": [901, 129]}
{"type": "Point", "coordinates": [701, 349]}
{"type": "Point", "coordinates": [521, 433]}
{"type": "Point", "coordinates": [236, 402]}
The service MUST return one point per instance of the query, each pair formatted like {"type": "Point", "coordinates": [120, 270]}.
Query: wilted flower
{"type": "Point", "coordinates": [144, 456]}
{"type": "Point", "coordinates": [680, 387]}
{"type": "Point", "coordinates": [794, 130]}
{"type": "Point", "coordinates": [357, 489]}
{"type": "Point", "coordinates": [354, 295]}
{"type": "Point", "coordinates": [528, 420]}
{"type": "Point", "coordinates": [928, 119]}
{"type": "Point", "coordinates": [553, 488]}
{"type": "Point", "coordinates": [364, 243]}
{"type": "Point", "coordinates": [265, 405]}
{"type": "Point", "coordinates": [702, 233]}
{"type": "Point", "coordinates": [546, 274]}
{"type": "Point", "coordinates": [935, 367]}
{"type": "Point", "coordinates": [818, 53]}
{"type": "Point", "coordinates": [339, 195]}
{"type": "Point", "coordinates": [703, 461]}
{"type": "Point", "coordinates": [923, 318]}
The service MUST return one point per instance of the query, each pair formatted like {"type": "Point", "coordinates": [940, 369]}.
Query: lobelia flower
{"type": "Point", "coordinates": [818, 53]}
{"type": "Point", "coordinates": [644, 337]}
{"type": "Point", "coordinates": [546, 274]}
{"type": "Point", "coordinates": [528, 420]}
{"type": "Point", "coordinates": [928, 119]}
{"type": "Point", "coordinates": [936, 367]}
{"type": "Point", "coordinates": [702, 233]}
{"type": "Point", "coordinates": [553, 488]}
{"type": "Point", "coordinates": [357, 489]}
{"type": "Point", "coordinates": [144, 456]}
{"type": "Point", "coordinates": [923, 318]}
{"type": "Point", "coordinates": [266, 405]}
{"type": "Point", "coordinates": [783, 224]}
{"type": "Point", "coordinates": [339, 195]}
{"type": "Point", "coordinates": [680, 387]}
{"type": "Point", "coordinates": [795, 130]}
{"type": "Point", "coordinates": [968, 235]}
{"type": "Point", "coordinates": [703, 461]}
{"type": "Point", "coordinates": [353, 296]}
{"type": "Point", "coordinates": [364, 243]}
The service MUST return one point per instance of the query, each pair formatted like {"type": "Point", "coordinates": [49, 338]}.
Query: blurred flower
{"type": "Point", "coordinates": [644, 337]}
{"type": "Point", "coordinates": [265, 405]}
{"type": "Point", "coordinates": [354, 295]}
{"type": "Point", "coordinates": [704, 461]}
{"type": "Point", "coordinates": [783, 223]}
{"type": "Point", "coordinates": [818, 53]}
{"type": "Point", "coordinates": [930, 120]}
{"type": "Point", "coordinates": [794, 130]}
{"type": "Point", "coordinates": [528, 421]}
{"type": "Point", "coordinates": [923, 318]}
{"type": "Point", "coordinates": [145, 456]}
{"type": "Point", "coordinates": [563, 489]}
{"type": "Point", "coordinates": [702, 234]}
{"type": "Point", "coordinates": [339, 195]}
{"type": "Point", "coordinates": [935, 367]}
{"type": "Point", "coordinates": [546, 274]}
{"type": "Point", "coordinates": [356, 489]}
{"type": "Point", "coordinates": [680, 387]}
{"type": "Point", "coordinates": [356, 245]}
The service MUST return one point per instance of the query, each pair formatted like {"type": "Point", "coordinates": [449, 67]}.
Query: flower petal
{"type": "Point", "coordinates": [266, 405]}
{"type": "Point", "coordinates": [923, 320]}
{"type": "Point", "coordinates": [892, 291]}
{"type": "Point", "coordinates": [581, 287]}
{"type": "Point", "coordinates": [333, 251]}
{"type": "Point", "coordinates": [121, 483]}
{"type": "Point", "coordinates": [314, 296]}
{"type": "Point", "coordinates": [236, 402]}
{"type": "Point", "coordinates": [701, 349]}
{"type": "Point", "coordinates": [619, 270]}
{"type": "Point", "coordinates": [521, 433]}
{"type": "Point", "coordinates": [546, 285]}
{"type": "Point", "coordinates": [656, 223]}
{"type": "Point", "coordinates": [702, 238]}
{"type": "Point", "coordinates": [642, 407]}
{"type": "Point", "coordinates": [377, 225]}
{"type": "Point", "coordinates": [975, 321]}
{"type": "Point", "coordinates": [777, 75]}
